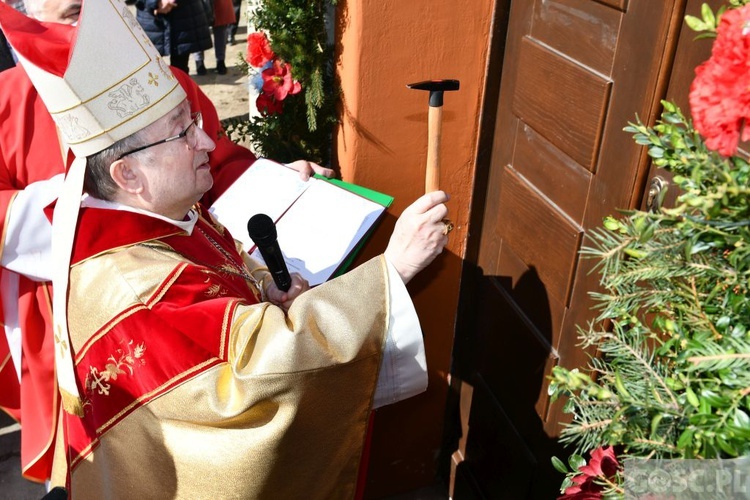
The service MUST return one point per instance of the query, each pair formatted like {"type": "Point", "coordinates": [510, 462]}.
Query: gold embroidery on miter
{"type": "Point", "coordinates": [124, 359]}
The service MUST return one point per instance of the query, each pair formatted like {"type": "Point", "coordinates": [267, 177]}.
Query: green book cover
{"type": "Point", "coordinates": [372, 195]}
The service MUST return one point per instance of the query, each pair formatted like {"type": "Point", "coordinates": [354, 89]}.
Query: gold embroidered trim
{"type": "Point", "coordinates": [186, 375]}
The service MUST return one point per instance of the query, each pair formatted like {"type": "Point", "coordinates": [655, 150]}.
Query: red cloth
{"type": "Point", "coordinates": [30, 152]}
{"type": "Point", "coordinates": [47, 45]}
{"type": "Point", "coordinates": [223, 13]}
{"type": "Point", "coordinates": [192, 324]}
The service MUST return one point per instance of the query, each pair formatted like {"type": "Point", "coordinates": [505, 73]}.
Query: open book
{"type": "Point", "coordinates": [319, 222]}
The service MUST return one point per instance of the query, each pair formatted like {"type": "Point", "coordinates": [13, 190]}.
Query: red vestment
{"type": "Point", "coordinates": [192, 388]}
{"type": "Point", "coordinates": [30, 152]}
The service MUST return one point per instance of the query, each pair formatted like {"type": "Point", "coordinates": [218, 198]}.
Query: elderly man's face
{"type": "Point", "coordinates": [176, 172]}
{"type": "Point", "coordinates": [54, 11]}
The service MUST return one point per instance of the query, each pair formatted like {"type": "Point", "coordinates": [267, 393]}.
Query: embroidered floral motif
{"type": "Point", "coordinates": [213, 290]}
{"type": "Point", "coordinates": [128, 359]}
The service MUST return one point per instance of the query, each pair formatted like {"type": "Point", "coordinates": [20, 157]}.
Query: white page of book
{"type": "Point", "coordinates": [318, 223]}
{"type": "Point", "coordinates": [245, 197]}
{"type": "Point", "coordinates": [322, 227]}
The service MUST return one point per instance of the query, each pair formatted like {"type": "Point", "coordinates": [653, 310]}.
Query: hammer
{"type": "Point", "coordinates": [434, 125]}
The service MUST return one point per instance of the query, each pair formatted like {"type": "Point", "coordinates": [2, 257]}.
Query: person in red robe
{"type": "Point", "coordinates": [32, 163]}
{"type": "Point", "coordinates": [184, 363]}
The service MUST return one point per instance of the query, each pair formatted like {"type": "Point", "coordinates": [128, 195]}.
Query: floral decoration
{"type": "Point", "coordinates": [720, 93]}
{"type": "Point", "coordinates": [290, 64]}
{"type": "Point", "coordinates": [259, 50]}
{"type": "Point", "coordinates": [598, 476]}
{"type": "Point", "coordinates": [276, 80]}
{"type": "Point", "coordinates": [671, 375]}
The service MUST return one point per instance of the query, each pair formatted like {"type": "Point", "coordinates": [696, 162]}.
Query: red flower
{"type": "Point", "coordinates": [720, 93]}
{"type": "Point", "coordinates": [259, 50]}
{"type": "Point", "coordinates": [267, 105]}
{"type": "Point", "coordinates": [277, 81]}
{"type": "Point", "coordinates": [584, 489]}
{"type": "Point", "coordinates": [602, 465]}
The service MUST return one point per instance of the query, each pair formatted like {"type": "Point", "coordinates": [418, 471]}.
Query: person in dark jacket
{"type": "Point", "coordinates": [237, 4]}
{"type": "Point", "coordinates": [6, 56]}
{"type": "Point", "coordinates": [176, 28]}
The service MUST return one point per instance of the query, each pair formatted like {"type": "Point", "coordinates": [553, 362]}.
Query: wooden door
{"type": "Point", "coordinates": [574, 72]}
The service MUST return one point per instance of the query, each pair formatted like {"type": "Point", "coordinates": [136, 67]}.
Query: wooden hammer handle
{"type": "Point", "coordinates": [432, 175]}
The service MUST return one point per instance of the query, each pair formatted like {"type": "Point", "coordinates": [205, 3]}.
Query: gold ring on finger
{"type": "Point", "coordinates": [447, 226]}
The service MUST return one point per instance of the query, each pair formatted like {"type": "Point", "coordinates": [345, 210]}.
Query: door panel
{"type": "Point", "coordinates": [574, 73]}
{"type": "Point", "coordinates": [565, 24]}
{"type": "Point", "coordinates": [562, 100]}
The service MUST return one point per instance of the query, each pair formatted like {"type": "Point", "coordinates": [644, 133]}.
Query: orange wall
{"type": "Point", "coordinates": [382, 46]}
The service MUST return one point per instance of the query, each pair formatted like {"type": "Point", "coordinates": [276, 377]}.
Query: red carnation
{"type": "Point", "coordinates": [720, 93]}
{"type": "Point", "coordinates": [267, 105]}
{"type": "Point", "coordinates": [277, 81]}
{"type": "Point", "coordinates": [259, 50]}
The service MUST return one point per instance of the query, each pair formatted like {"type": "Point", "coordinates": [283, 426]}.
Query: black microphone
{"type": "Point", "coordinates": [263, 233]}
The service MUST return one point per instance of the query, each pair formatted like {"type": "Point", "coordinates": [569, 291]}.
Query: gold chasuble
{"type": "Point", "coordinates": [194, 388]}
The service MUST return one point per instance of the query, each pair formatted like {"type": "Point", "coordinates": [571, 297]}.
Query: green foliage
{"type": "Point", "coordinates": [297, 32]}
{"type": "Point", "coordinates": [672, 375]}
{"type": "Point", "coordinates": [707, 23]}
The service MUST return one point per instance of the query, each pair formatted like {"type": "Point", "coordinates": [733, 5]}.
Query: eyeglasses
{"type": "Point", "coordinates": [191, 138]}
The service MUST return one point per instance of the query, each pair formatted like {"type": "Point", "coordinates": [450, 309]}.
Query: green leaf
{"type": "Point", "coordinates": [559, 465]}
{"type": "Point", "coordinates": [708, 15]}
{"type": "Point", "coordinates": [567, 483]}
{"type": "Point", "coordinates": [576, 461]}
{"type": "Point", "coordinates": [611, 223]}
{"type": "Point", "coordinates": [655, 425]}
{"type": "Point", "coordinates": [695, 24]}
{"type": "Point", "coordinates": [726, 446]}
{"type": "Point", "coordinates": [741, 420]}
{"type": "Point", "coordinates": [691, 397]}
{"type": "Point", "coordinates": [636, 254]}
{"type": "Point", "coordinates": [569, 406]}
{"type": "Point", "coordinates": [620, 386]}
{"type": "Point", "coordinates": [685, 438]}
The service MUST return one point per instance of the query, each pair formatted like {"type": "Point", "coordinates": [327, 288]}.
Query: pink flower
{"type": "Point", "coordinates": [277, 81]}
{"type": "Point", "coordinates": [259, 50]}
{"type": "Point", "coordinates": [720, 93]}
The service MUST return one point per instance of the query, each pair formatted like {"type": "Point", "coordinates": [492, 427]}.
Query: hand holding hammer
{"type": "Point", "coordinates": [434, 130]}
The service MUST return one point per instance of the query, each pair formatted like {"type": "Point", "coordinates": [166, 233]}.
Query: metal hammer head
{"type": "Point", "coordinates": [436, 88]}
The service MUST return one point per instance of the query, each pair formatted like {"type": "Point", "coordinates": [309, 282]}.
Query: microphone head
{"type": "Point", "coordinates": [261, 229]}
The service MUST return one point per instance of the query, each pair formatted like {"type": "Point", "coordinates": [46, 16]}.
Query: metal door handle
{"type": "Point", "coordinates": [655, 193]}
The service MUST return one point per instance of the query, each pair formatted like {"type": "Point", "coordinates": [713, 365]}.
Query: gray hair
{"type": "Point", "coordinates": [98, 181]}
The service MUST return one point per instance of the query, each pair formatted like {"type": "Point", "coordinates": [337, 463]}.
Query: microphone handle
{"type": "Point", "coordinates": [274, 259]}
